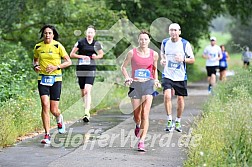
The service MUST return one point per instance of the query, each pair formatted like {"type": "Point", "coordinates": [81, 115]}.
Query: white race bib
{"type": "Point", "coordinates": [84, 61]}
{"type": "Point", "coordinates": [142, 73]}
{"type": "Point", "coordinates": [174, 65]}
{"type": "Point", "coordinates": [47, 80]}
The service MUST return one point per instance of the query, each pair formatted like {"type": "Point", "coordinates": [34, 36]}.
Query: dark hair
{"type": "Point", "coordinates": [55, 33]}
{"type": "Point", "coordinates": [144, 32]}
{"type": "Point", "coordinates": [91, 26]}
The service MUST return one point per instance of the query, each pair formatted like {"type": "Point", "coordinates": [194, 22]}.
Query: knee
{"type": "Point", "coordinates": [180, 99]}
{"type": "Point", "coordinates": [84, 92]}
{"type": "Point", "coordinates": [45, 106]}
{"type": "Point", "coordinates": [145, 117]}
{"type": "Point", "coordinates": [167, 97]}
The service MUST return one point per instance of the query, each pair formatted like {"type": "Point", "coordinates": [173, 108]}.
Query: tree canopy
{"type": "Point", "coordinates": [194, 16]}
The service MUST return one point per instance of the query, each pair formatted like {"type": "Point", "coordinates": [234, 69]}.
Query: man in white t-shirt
{"type": "Point", "coordinates": [212, 54]}
{"type": "Point", "coordinates": [175, 53]}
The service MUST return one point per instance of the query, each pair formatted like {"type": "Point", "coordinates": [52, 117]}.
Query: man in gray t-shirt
{"type": "Point", "coordinates": [212, 53]}
{"type": "Point", "coordinates": [176, 52]}
{"type": "Point", "coordinates": [246, 56]}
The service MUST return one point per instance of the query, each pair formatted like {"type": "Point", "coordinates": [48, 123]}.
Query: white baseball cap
{"type": "Point", "coordinates": [213, 39]}
{"type": "Point", "coordinates": [174, 26]}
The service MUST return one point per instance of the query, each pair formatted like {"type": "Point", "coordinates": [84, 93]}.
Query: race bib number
{"type": "Point", "coordinates": [174, 65]}
{"type": "Point", "coordinates": [142, 74]}
{"type": "Point", "coordinates": [222, 64]}
{"type": "Point", "coordinates": [47, 80]}
{"type": "Point", "coordinates": [213, 56]}
{"type": "Point", "coordinates": [84, 61]}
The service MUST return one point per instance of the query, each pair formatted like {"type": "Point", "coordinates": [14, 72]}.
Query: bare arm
{"type": "Point", "coordinates": [36, 65]}
{"type": "Point", "coordinates": [156, 81]}
{"type": "Point", "coordinates": [67, 62]}
{"type": "Point", "coordinates": [205, 56]}
{"type": "Point", "coordinates": [124, 65]}
{"type": "Point", "coordinates": [228, 57]}
{"type": "Point", "coordinates": [189, 60]}
{"type": "Point", "coordinates": [73, 53]}
{"type": "Point", "coordinates": [99, 55]}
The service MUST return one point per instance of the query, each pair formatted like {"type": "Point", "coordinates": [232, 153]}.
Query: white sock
{"type": "Point", "coordinates": [169, 117]}
{"type": "Point", "coordinates": [177, 119]}
{"type": "Point", "coordinates": [58, 118]}
{"type": "Point", "coordinates": [138, 125]}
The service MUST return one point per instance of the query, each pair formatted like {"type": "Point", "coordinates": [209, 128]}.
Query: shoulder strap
{"type": "Point", "coordinates": [184, 44]}
{"type": "Point", "coordinates": [164, 41]}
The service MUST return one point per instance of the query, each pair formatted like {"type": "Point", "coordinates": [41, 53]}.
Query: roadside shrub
{"type": "Point", "coordinates": [16, 71]}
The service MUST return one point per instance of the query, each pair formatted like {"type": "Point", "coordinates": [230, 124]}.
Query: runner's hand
{"type": "Point", "coordinates": [179, 58]}
{"type": "Point", "coordinates": [128, 81]}
{"type": "Point", "coordinates": [51, 68]}
{"type": "Point", "coordinates": [163, 62]}
{"type": "Point", "coordinates": [157, 84]}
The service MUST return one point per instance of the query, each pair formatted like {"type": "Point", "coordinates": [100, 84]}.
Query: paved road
{"type": "Point", "coordinates": [106, 142]}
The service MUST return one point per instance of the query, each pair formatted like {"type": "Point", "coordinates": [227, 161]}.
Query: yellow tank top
{"type": "Point", "coordinates": [49, 54]}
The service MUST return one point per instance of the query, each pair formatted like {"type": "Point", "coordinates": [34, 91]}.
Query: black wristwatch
{"type": "Point", "coordinates": [58, 67]}
{"type": "Point", "coordinates": [34, 66]}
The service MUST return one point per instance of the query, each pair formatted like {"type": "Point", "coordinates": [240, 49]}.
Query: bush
{"type": "Point", "coordinates": [16, 71]}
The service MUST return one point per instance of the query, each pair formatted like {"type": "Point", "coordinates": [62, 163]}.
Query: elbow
{"type": "Point", "coordinates": [122, 68]}
{"type": "Point", "coordinates": [69, 62]}
{"type": "Point", "coordinates": [71, 55]}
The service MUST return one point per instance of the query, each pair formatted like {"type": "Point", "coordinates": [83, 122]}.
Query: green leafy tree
{"type": "Point", "coordinates": [241, 35]}
{"type": "Point", "coordinates": [194, 16]}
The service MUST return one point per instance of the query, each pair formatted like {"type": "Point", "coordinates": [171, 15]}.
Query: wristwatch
{"type": "Point", "coordinates": [58, 67]}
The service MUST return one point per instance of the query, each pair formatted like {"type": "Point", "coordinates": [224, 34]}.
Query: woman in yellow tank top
{"type": "Point", "coordinates": [47, 63]}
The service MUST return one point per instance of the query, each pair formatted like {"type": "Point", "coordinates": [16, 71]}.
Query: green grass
{"type": "Point", "coordinates": [225, 126]}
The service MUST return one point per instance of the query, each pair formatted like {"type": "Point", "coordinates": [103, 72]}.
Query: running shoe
{"type": "Point", "coordinates": [178, 127]}
{"type": "Point", "coordinates": [141, 146]}
{"type": "Point", "coordinates": [46, 140]}
{"type": "Point", "coordinates": [209, 89]}
{"type": "Point", "coordinates": [169, 126]}
{"type": "Point", "coordinates": [137, 132]}
{"type": "Point", "coordinates": [61, 125]}
{"type": "Point", "coordinates": [86, 118]}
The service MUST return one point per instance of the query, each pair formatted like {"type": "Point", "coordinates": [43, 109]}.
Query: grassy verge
{"type": "Point", "coordinates": [225, 126]}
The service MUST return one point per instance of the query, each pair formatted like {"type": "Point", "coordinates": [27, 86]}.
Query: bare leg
{"type": "Point", "coordinates": [167, 101]}
{"type": "Point", "coordinates": [45, 114]}
{"type": "Point", "coordinates": [146, 105]}
{"type": "Point", "coordinates": [213, 79]}
{"type": "Point", "coordinates": [86, 94]}
{"type": "Point", "coordinates": [137, 108]}
{"type": "Point", "coordinates": [180, 106]}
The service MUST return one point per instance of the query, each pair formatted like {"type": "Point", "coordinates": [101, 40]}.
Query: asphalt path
{"type": "Point", "coordinates": [108, 140]}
